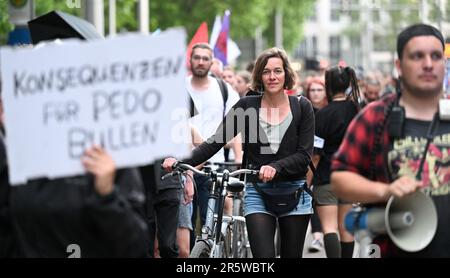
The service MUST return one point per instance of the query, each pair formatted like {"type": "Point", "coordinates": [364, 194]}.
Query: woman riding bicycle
{"type": "Point", "coordinates": [279, 141]}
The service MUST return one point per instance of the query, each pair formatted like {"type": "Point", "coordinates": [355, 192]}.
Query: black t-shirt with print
{"type": "Point", "coordinates": [330, 125]}
{"type": "Point", "coordinates": [404, 158]}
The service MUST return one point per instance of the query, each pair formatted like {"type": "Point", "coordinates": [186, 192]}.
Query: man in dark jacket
{"type": "Point", "coordinates": [8, 247]}
{"type": "Point", "coordinates": [161, 209]}
{"type": "Point", "coordinates": [94, 215]}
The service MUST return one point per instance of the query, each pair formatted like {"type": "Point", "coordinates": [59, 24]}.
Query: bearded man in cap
{"type": "Point", "coordinates": [382, 152]}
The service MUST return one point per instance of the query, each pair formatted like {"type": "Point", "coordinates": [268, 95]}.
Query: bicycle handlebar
{"type": "Point", "coordinates": [179, 168]}
{"type": "Point", "coordinates": [228, 163]}
{"type": "Point", "coordinates": [184, 167]}
{"type": "Point", "coordinates": [244, 171]}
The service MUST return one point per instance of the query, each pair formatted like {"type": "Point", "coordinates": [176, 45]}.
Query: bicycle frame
{"type": "Point", "coordinates": [212, 231]}
{"type": "Point", "coordinates": [216, 226]}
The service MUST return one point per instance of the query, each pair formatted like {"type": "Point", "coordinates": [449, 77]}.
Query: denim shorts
{"type": "Point", "coordinates": [253, 202]}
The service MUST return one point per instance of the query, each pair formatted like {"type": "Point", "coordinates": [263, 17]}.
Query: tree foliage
{"type": "Point", "coordinates": [5, 26]}
{"type": "Point", "coordinates": [245, 15]}
{"type": "Point", "coordinates": [45, 6]}
{"type": "Point", "coordinates": [40, 7]}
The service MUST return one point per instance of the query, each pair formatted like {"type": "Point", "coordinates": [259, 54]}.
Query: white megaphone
{"type": "Point", "coordinates": [410, 221]}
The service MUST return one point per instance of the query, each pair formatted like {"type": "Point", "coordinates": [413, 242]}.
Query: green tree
{"type": "Point", "coordinates": [46, 6]}
{"type": "Point", "coordinates": [5, 26]}
{"type": "Point", "coordinates": [41, 7]}
{"type": "Point", "coordinates": [245, 15]}
{"type": "Point", "coordinates": [125, 15]}
{"type": "Point", "coordinates": [294, 13]}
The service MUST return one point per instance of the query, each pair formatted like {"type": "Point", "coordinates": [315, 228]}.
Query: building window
{"type": "Point", "coordinates": [314, 49]}
{"type": "Point", "coordinates": [300, 51]}
{"type": "Point", "coordinates": [376, 15]}
{"type": "Point", "coordinates": [335, 48]}
{"type": "Point", "coordinates": [313, 16]}
{"type": "Point", "coordinates": [355, 41]}
{"type": "Point", "coordinates": [335, 10]}
{"type": "Point", "coordinates": [354, 16]}
{"type": "Point", "coordinates": [308, 48]}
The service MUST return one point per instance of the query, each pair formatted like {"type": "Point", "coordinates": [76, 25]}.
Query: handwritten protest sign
{"type": "Point", "coordinates": [121, 93]}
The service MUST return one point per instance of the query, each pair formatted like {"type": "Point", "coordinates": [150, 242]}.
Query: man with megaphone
{"type": "Point", "coordinates": [398, 149]}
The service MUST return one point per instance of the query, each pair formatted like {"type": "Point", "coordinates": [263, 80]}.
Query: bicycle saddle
{"type": "Point", "coordinates": [235, 185]}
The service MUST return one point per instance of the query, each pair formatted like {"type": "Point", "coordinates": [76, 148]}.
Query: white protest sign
{"type": "Point", "coordinates": [126, 93]}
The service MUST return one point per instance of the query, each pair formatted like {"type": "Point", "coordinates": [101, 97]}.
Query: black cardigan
{"type": "Point", "coordinates": [294, 154]}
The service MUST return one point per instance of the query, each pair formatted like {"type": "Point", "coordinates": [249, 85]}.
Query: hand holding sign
{"type": "Point", "coordinates": [99, 163]}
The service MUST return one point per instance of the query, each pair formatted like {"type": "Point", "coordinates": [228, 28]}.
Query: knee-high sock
{"type": "Point", "coordinates": [332, 245]}
{"type": "Point", "coordinates": [347, 249]}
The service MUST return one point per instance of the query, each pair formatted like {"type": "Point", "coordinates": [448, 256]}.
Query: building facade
{"type": "Point", "coordinates": [362, 32]}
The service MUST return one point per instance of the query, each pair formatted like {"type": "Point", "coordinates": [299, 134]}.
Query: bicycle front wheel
{"type": "Point", "coordinates": [201, 250]}
{"type": "Point", "coordinates": [240, 245]}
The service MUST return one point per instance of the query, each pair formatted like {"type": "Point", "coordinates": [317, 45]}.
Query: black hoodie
{"type": "Point", "coordinates": [8, 246]}
{"type": "Point", "coordinates": [50, 215]}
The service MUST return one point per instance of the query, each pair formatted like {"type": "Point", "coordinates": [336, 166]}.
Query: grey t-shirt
{"type": "Point", "coordinates": [275, 132]}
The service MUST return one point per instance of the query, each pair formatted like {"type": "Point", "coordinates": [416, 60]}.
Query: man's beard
{"type": "Point", "coordinates": [200, 73]}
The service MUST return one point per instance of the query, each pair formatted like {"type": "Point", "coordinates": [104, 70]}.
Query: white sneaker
{"type": "Point", "coordinates": [315, 246]}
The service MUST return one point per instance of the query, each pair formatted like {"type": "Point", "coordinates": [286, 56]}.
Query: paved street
{"type": "Point", "coordinates": [321, 254]}
{"type": "Point", "coordinates": [308, 240]}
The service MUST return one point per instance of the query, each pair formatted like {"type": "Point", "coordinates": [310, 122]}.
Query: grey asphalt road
{"type": "Point", "coordinates": [321, 254]}
{"type": "Point", "coordinates": [308, 240]}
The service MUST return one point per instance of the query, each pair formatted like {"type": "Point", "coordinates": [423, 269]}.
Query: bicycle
{"type": "Point", "coordinates": [240, 244]}
{"type": "Point", "coordinates": [217, 233]}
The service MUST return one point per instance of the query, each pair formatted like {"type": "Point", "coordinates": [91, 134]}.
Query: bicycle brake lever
{"type": "Point", "coordinates": [171, 174]}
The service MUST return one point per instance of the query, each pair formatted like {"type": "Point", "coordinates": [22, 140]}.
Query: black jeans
{"type": "Point", "coordinates": [162, 216]}
{"type": "Point", "coordinates": [161, 212]}
{"type": "Point", "coordinates": [200, 203]}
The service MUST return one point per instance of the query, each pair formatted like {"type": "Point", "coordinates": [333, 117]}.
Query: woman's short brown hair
{"type": "Point", "coordinates": [274, 52]}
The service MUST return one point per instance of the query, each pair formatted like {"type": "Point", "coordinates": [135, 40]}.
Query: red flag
{"type": "Point", "coordinates": [200, 36]}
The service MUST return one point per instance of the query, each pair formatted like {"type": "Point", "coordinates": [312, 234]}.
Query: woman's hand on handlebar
{"type": "Point", "coordinates": [267, 173]}
{"type": "Point", "coordinates": [168, 163]}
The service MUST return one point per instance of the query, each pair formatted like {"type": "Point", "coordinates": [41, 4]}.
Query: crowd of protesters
{"type": "Point", "coordinates": [332, 120]}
